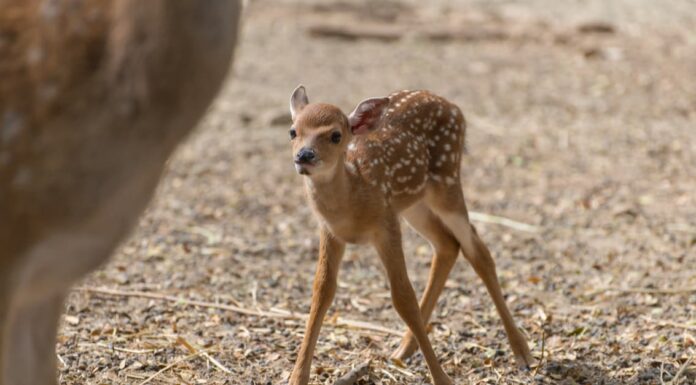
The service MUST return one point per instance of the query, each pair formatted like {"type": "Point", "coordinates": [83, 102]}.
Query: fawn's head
{"type": "Point", "coordinates": [320, 132]}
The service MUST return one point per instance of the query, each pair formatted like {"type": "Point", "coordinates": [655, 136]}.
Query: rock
{"type": "Point", "coordinates": [603, 53]}
{"type": "Point", "coordinates": [352, 33]}
{"type": "Point", "coordinates": [596, 27]}
{"type": "Point", "coordinates": [245, 118]}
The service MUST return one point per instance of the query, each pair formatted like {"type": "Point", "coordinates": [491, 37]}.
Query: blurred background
{"type": "Point", "coordinates": [581, 146]}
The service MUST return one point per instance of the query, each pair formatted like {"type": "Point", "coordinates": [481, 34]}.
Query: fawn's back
{"type": "Point", "coordinates": [420, 140]}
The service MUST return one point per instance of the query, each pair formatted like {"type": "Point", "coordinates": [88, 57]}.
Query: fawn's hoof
{"type": "Point", "coordinates": [444, 380]}
{"type": "Point", "coordinates": [524, 358]}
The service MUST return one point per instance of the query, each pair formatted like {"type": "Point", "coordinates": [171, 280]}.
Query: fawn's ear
{"type": "Point", "coordinates": [366, 116]}
{"type": "Point", "coordinates": [298, 101]}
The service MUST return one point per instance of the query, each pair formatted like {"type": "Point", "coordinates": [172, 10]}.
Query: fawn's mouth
{"type": "Point", "coordinates": [304, 167]}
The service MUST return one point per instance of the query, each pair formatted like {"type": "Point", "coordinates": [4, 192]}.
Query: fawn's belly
{"type": "Point", "coordinates": [349, 233]}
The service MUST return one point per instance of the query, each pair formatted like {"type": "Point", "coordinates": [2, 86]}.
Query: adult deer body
{"type": "Point", "coordinates": [94, 96]}
{"type": "Point", "coordinates": [391, 157]}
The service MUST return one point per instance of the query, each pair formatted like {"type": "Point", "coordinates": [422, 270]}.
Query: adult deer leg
{"type": "Point", "coordinates": [29, 356]}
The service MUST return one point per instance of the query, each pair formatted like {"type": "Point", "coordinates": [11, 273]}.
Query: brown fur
{"type": "Point", "coordinates": [321, 114]}
{"type": "Point", "coordinates": [94, 96]}
{"type": "Point", "coordinates": [407, 166]}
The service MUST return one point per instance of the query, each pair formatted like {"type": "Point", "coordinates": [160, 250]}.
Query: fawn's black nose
{"type": "Point", "coordinates": [305, 155]}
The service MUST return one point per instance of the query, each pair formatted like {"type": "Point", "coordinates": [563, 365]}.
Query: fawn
{"type": "Point", "coordinates": [391, 157]}
{"type": "Point", "coordinates": [94, 97]}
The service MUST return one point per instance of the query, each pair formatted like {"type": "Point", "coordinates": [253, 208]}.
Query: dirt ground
{"type": "Point", "coordinates": [582, 124]}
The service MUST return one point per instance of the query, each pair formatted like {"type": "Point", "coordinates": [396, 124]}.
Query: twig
{"type": "Point", "coordinates": [487, 218]}
{"type": "Point", "coordinates": [178, 375]}
{"type": "Point", "coordinates": [123, 350]}
{"type": "Point", "coordinates": [670, 323]}
{"type": "Point", "coordinates": [500, 376]}
{"type": "Point", "coordinates": [388, 374]}
{"type": "Point", "coordinates": [62, 361]}
{"type": "Point", "coordinates": [354, 375]}
{"type": "Point", "coordinates": [340, 322]}
{"type": "Point", "coordinates": [662, 373]}
{"type": "Point", "coordinates": [173, 364]}
{"type": "Point", "coordinates": [192, 349]}
{"type": "Point", "coordinates": [676, 325]}
{"type": "Point", "coordinates": [355, 324]}
{"type": "Point", "coordinates": [216, 363]}
{"type": "Point", "coordinates": [543, 349]}
{"type": "Point", "coordinates": [682, 227]}
{"type": "Point", "coordinates": [678, 290]}
{"type": "Point", "coordinates": [485, 125]}
{"type": "Point", "coordinates": [681, 371]}
{"type": "Point", "coordinates": [400, 370]}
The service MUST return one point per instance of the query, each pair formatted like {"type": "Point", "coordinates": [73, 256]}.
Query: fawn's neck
{"type": "Point", "coordinates": [331, 193]}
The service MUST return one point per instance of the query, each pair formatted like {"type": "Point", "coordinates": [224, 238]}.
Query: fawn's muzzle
{"type": "Point", "coordinates": [305, 156]}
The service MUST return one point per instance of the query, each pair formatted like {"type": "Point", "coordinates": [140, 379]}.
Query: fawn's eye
{"type": "Point", "coordinates": [293, 133]}
{"type": "Point", "coordinates": [336, 137]}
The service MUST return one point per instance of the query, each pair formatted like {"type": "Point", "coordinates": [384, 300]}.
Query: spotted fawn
{"type": "Point", "coordinates": [391, 157]}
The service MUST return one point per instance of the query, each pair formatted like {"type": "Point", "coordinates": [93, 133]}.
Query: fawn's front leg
{"type": "Point", "coordinates": [387, 241]}
{"type": "Point", "coordinates": [330, 254]}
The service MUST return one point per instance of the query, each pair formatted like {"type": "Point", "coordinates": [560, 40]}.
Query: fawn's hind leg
{"type": "Point", "coordinates": [447, 202]}
{"type": "Point", "coordinates": [445, 251]}
{"type": "Point", "coordinates": [387, 241]}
